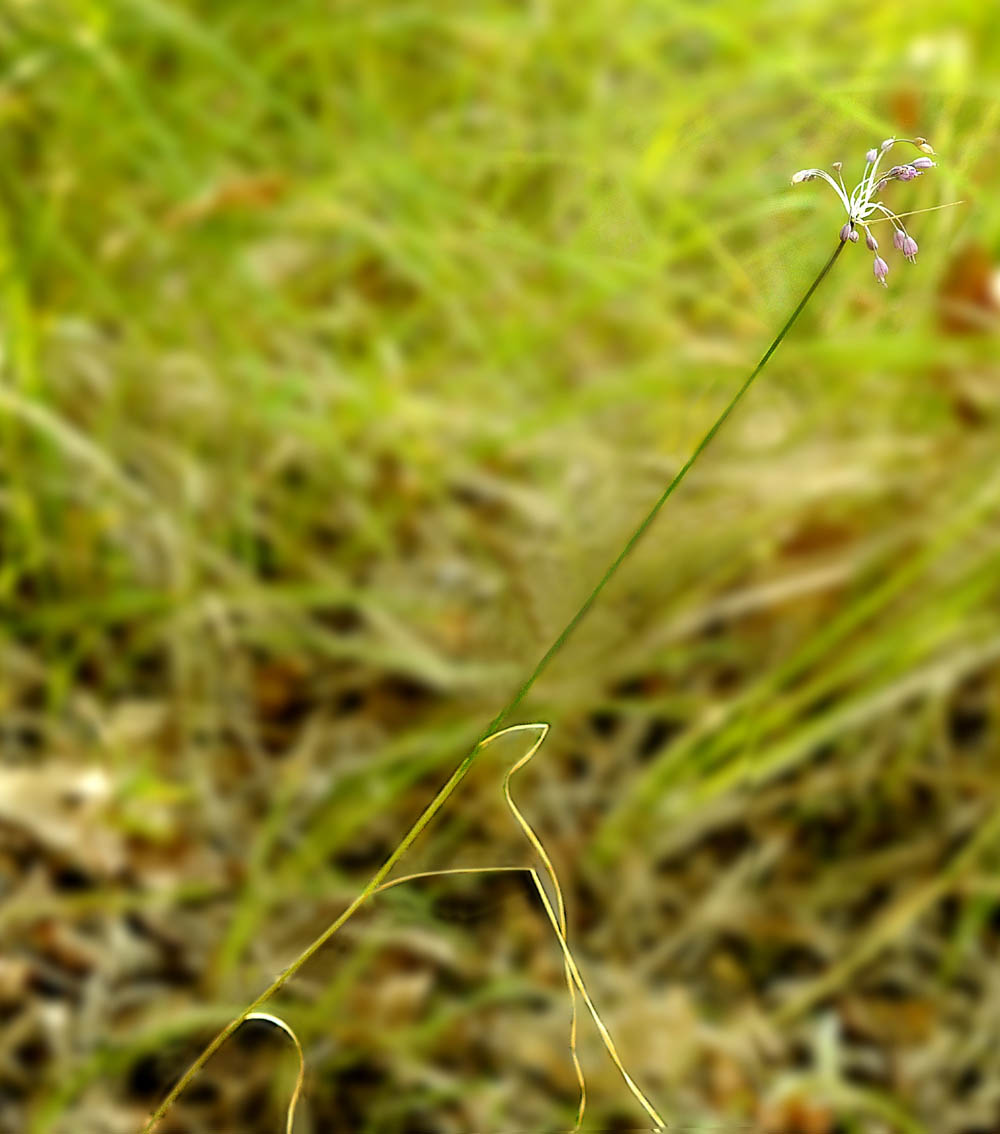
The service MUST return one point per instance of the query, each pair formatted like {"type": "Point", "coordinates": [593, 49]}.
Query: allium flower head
{"type": "Point", "coordinates": [862, 202]}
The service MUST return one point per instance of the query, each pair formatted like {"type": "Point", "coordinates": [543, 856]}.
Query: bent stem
{"type": "Point", "coordinates": [460, 772]}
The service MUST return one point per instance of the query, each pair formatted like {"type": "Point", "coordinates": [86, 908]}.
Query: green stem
{"type": "Point", "coordinates": [459, 774]}
{"type": "Point", "coordinates": [640, 531]}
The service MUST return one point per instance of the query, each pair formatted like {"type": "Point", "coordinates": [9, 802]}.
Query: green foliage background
{"type": "Point", "coordinates": [342, 346]}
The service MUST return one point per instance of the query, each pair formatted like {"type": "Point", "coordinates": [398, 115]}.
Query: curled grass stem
{"type": "Point", "coordinates": [378, 879]}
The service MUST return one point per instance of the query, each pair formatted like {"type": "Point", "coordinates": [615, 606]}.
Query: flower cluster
{"type": "Point", "coordinates": [861, 203]}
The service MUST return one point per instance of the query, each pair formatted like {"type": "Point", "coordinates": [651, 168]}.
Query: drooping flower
{"type": "Point", "coordinates": [862, 202]}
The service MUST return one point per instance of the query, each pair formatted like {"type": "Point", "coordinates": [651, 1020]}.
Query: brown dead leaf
{"type": "Point", "coordinates": [15, 973]}
{"type": "Point", "coordinates": [729, 1087]}
{"type": "Point", "coordinates": [905, 104]}
{"type": "Point", "coordinates": [63, 808]}
{"type": "Point", "coordinates": [62, 945]}
{"type": "Point", "coordinates": [794, 1114]}
{"type": "Point", "coordinates": [907, 1021]}
{"type": "Point", "coordinates": [969, 305]}
{"type": "Point", "coordinates": [251, 193]}
{"type": "Point", "coordinates": [969, 295]}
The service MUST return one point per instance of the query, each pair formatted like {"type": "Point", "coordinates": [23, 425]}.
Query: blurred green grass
{"type": "Point", "coordinates": [342, 346]}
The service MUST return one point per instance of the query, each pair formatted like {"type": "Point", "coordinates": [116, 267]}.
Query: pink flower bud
{"type": "Point", "coordinates": [897, 240]}
{"type": "Point", "coordinates": [881, 270]}
{"type": "Point", "coordinates": [871, 242]}
{"type": "Point", "coordinates": [922, 163]}
{"type": "Point", "coordinates": [906, 173]}
{"type": "Point", "coordinates": [909, 248]}
{"type": "Point", "coordinates": [871, 155]}
{"type": "Point", "coordinates": [845, 232]}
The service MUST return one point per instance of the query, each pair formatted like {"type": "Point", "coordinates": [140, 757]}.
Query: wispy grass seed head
{"type": "Point", "coordinates": [862, 202]}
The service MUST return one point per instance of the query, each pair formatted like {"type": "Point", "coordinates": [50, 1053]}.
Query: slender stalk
{"type": "Point", "coordinates": [459, 774]}
{"type": "Point", "coordinates": [644, 526]}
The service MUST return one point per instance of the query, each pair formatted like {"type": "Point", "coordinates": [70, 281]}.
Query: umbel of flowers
{"type": "Point", "coordinates": [862, 203]}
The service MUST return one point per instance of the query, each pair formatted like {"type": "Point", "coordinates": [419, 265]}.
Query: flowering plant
{"type": "Point", "coordinates": [861, 204]}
